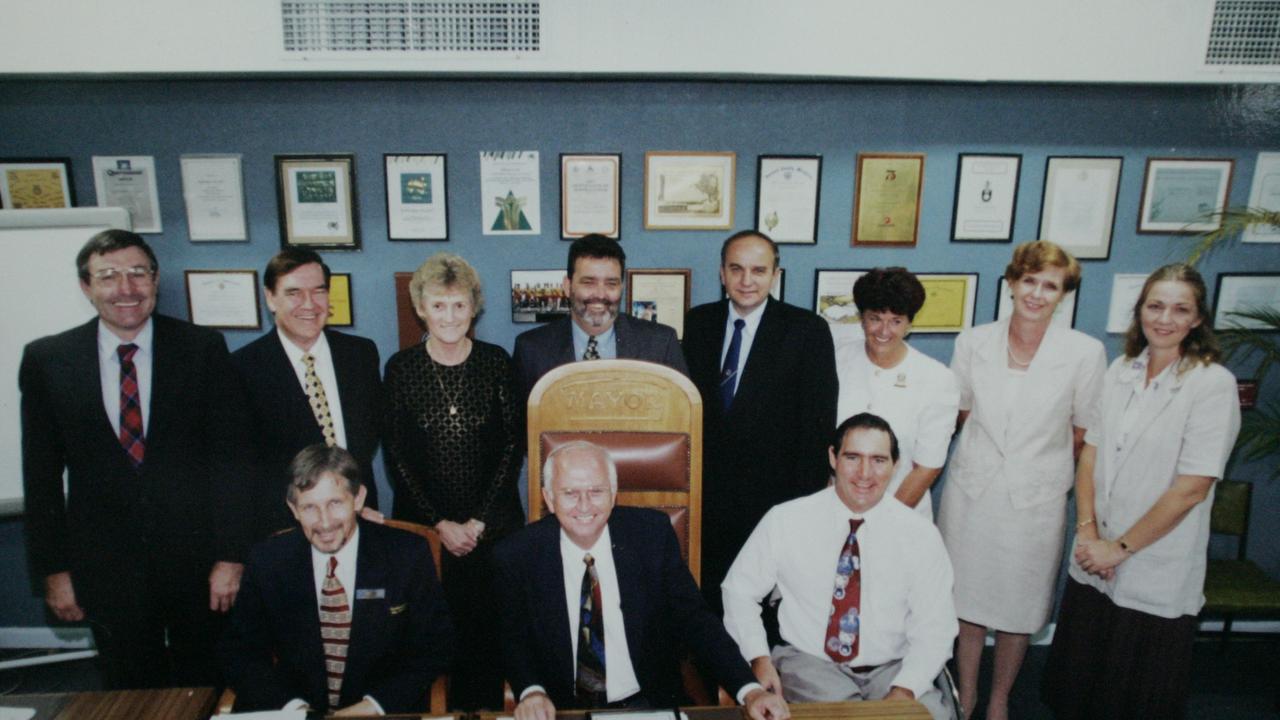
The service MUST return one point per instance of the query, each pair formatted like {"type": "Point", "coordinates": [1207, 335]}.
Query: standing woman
{"type": "Point", "coordinates": [1168, 421]}
{"type": "Point", "coordinates": [1027, 388]}
{"type": "Point", "coordinates": [452, 446]}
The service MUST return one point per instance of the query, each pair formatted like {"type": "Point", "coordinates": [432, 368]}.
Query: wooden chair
{"type": "Point", "coordinates": [439, 703]}
{"type": "Point", "coordinates": [1236, 588]}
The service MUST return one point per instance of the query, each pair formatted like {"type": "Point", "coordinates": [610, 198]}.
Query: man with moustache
{"type": "Point", "coordinates": [594, 330]}
{"type": "Point", "coordinates": [142, 414]}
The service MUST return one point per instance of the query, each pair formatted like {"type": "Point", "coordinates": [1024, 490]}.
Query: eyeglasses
{"type": "Point", "coordinates": [133, 274]}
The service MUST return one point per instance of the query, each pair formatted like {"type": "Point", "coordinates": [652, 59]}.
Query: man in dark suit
{"type": "Point", "coordinates": [595, 328]}
{"type": "Point", "coordinates": [274, 372]}
{"type": "Point", "coordinates": [142, 413]}
{"type": "Point", "coordinates": [767, 374]}
{"type": "Point", "coordinates": [597, 603]}
{"type": "Point", "coordinates": [344, 615]}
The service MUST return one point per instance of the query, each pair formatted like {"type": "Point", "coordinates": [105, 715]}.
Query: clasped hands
{"type": "Point", "coordinates": [460, 538]}
{"type": "Point", "coordinates": [1097, 556]}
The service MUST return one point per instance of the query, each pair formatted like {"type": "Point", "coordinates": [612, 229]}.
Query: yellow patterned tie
{"type": "Point", "coordinates": [319, 403]}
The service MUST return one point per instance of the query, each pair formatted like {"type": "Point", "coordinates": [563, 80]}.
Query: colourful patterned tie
{"type": "Point", "coordinates": [729, 371]}
{"type": "Point", "coordinates": [593, 349]}
{"type": "Point", "coordinates": [844, 625]}
{"type": "Point", "coordinates": [591, 689]}
{"type": "Point", "coordinates": [335, 631]}
{"type": "Point", "coordinates": [319, 402]}
{"type": "Point", "coordinates": [130, 406]}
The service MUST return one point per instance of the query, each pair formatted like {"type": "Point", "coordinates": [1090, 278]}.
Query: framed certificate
{"type": "Point", "coordinates": [1125, 289]}
{"type": "Point", "coordinates": [590, 196]}
{"type": "Point", "coordinates": [129, 181]}
{"type": "Point", "coordinates": [886, 206]}
{"type": "Point", "coordinates": [1245, 293]}
{"type": "Point", "coordinates": [317, 195]}
{"type": "Point", "coordinates": [510, 193]}
{"type": "Point", "coordinates": [688, 191]}
{"type": "Point", "coordinates": [342, 311]}
{"type": "Point", "coordinates": [417, 199]}
{"type": "Point", "coordinates": [1063, 316]}
{"type": "Point", "coordinates": [660, 295]}
{"type": "Point", "coordinates": [224, 299]}
{"type": "Point", "coordinates": [1181, 195]}
{"type": "Point", "coordinates": [1079, 207]}
{"type": "Point", "coordinates": [949, 301]}
{"type": "Point", "coordinates": [787, 192]}
{"type": "Point", "coordinates": [213, 191]}
{"type": "Point", "coordinates": [538, 295]}
{"type": "Point", "coordinates": [986, 196]}
{"type": "Point", "coordinates": [833, 295]}
{"type": "Point", "coordinates": [1264, 195]}
{"type": "Point", "coordinates": [27, 183]}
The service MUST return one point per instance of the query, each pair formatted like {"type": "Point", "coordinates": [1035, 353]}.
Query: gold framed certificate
{"type": "Point", "coordinates": [689, 191]}
{"type": "Point", "coordinates": [949, 300]}
{"type": "Point", "coordinates": [341, 310]}
{"type": "Point", "coordinates": [886, 207]}
{"type": "Point", "coordinates": [317, 196]}
{"type": "Point", "coordinates": [27, 183]}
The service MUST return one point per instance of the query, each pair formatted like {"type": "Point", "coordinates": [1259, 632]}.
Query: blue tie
{"type": "Point", "coordinates": [729, 372]}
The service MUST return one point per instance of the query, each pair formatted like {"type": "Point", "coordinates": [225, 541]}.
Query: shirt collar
{"type": "Point", "coordinates": [570, 550]}
{"type": "Point", "coordinates": [752, 318]}
{"type": "Point", "coordinates": [580, 336]}
{"type": "Point", "coordinates": [109, 341]}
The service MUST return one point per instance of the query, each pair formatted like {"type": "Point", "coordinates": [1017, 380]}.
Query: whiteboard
{"type": "Point", "coordinates": [41, 296]}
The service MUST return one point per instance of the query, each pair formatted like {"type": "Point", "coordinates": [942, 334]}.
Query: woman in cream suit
{"type": "Point", "coordinates": [1027, 388]}
{"type": "Point", "coordinates": [1169, 418]}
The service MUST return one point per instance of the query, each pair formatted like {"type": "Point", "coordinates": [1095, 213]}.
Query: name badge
{"type": "Point", "coordinates": [371, 594]}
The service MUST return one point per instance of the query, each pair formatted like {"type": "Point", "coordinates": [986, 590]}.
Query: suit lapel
{"type": "Point", "coordinates": [166, 384]}
{"type": "Point", "coordinates": [1168, 390]}
{"type": "Point", "coordinates": [366, 617]}
{"type": "Point", "coordinates": [342, 370]}
{"type": "Point", "coordinates": [992, 371]}
{"type": "Point", "coordinates": [769, 334]}
{"type": "Point", "coordinates": [549, 599]}
{"type": "Point", "coordinates": [301, 590]}
{"type": "Point", "coordinates": [564, 341]}
{"type": "Point", "coordinates": [83, 369]}
{"type": "Point", "coordinates": [298, 408]}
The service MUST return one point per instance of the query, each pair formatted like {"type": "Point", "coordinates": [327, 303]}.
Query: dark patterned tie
{"type": "Point", "coordinates": [593, 349]}
{"type": "Point", "coordinates": [729, 371]}
{"type": "Point", "coordinates": [844, 626]}
{"type": "Point", "coordinates": [591, 689]}
{"type": "Point", "coordinates": [335, 631]}
{"type": "Point", "coordinates": [130, 406]}
{"type": "Point", "coordinates": [319, 401]}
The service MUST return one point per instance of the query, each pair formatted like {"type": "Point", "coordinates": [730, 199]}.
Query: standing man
{"type": "Point", "coordinates": [306, 384]}
{"type": "Point", "coordinates": [143, 414]}
{"type": "Point", "coordinates": [595, 330]}
{"type": "Point", "coordinates": [767, 374]}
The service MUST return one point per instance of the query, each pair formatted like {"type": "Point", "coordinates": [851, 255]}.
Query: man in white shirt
{"type": "Point", "coordinates": [865, 582]}
{"type": "Point", "coordinates": [345, 616]}
{"type": "Point", "coordinates": [598, 603]}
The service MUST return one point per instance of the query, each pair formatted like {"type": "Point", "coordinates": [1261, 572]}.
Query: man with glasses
{"type": "Point", "coordinates": [142, 413]}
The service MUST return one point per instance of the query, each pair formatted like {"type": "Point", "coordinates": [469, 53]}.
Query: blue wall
{"type": "Point", "coordinates": [462, 118]}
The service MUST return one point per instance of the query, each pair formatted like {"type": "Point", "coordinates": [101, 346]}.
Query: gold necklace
{"type": "Point", "coordinates": [437, 372]}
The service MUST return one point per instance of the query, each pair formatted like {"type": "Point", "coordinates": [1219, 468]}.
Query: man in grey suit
{"type": "Point", "coordinates": [595, 329]}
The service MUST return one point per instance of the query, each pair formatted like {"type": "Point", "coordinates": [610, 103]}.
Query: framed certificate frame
{"type": "Point", "coordinates": [417, 196]}
{"type": "Point", "coordinates": [223, 299]}
{"type": "Point", "coordinates": [1125, 289]}
{"type": "Point", "coordinates": [342, 312]}
{"type": "Point", "coordinates": [660, 295]}
{"type": "Point", "coordinates": [213, 191]}
{"type": "Point", "coordinates": [1063, 316]}
{"type": "Point", "coordinates": [787, 191]}
{"type": "Point", "coordinates": [1242, 293]}
{"type": "Point", "coordinates": [317, 195]}
{"type": "Point", "coordinates": [129, 181]}
{"type": "Point", "coordinates": [590, 195]}
{"type": "Point", "coordinates": [986, 197]}
{"type": "Point", "coordinates": [689, 191]}
{"type": "Point", "coordinates": [538, 295]}
{"type": "Point", "coordinates": [1264, 195]}
{"type": "Point", "coordinates": [1079, 207]}
{"type": "Point", "coordinates": [1181, 195]}
{"type": "Point", "coordinates": [833, 295]}
{"type": "Point", "coordinates": [27, 183]}
{"type": "Point", "coordinates": [886, 205]}
{"type": "Point", "coordinates": [949, 301]}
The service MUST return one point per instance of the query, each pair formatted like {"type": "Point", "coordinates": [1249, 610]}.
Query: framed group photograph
{"type": "Point", "coordinates": [1063, 316]}
{"type": "Point", "coordinates": [1078, 211]}
{"type": "Point", "coordinates": [833, 295]}
{"type": "Point", "coordinates": [1242, 293]}
{"type": "Point", "coordinates": [949, 302]}
{"type": "Point", "coordinates": [689, 190]}
{"type": "Point", "coordinates": [787, 192]}
{"type": "Point", "coordinates": [886, 202]}
{"type": "Point", "coordinates": [223, 299]}
{"type": "Point", "coordinates": [1125, 290]}
{"type": "Point", "coordinates": [590, 195]}
{"type": "Point", "coordinates": [986, 197]}
{"type": "Point", "coordinates": [213, 191]}
{"type": "Point", "coordinates": [659, 294]}
{"type": "Point", "coordinates": [417, 197]}
{"type": "Point", "coordinates": [27, 183]}
{"type": "Point", "coordinates": [341, 309]}
{"type": "Point", "coordinates": [1264, 195]}
{"type": "Point", "coordinates": [777, 292]}
{"type": "Point", "coordinates": [129, 182]}
{"type": "Point", "coordinates": [1180, 195]}
{"type": "Point", "coordinates": [538, 295]}
{"type": "Point", "coordinates": [317, 195]}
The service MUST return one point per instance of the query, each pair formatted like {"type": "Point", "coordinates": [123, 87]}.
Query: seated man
{"type": "Point", "coordinates": [344, 617]}
{"type": "Point", "coordinates": [597, 603]}
{"type": "Point", "coordinates": [886, 629]}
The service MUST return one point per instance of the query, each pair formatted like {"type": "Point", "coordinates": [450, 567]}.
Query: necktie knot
{"type": "Point", "coordinates": [854, 524]}
{"type": "Point", "coordinates": [590, 561]}
{"type": "Point", "coordinates": [333, 565]}
{"type": "Point", "coordinates": [309, 360]}
{"type": "Point", "coordinates": [593, 349]}
{"type": "Point", "coordinates": [739, 324]}
{"type": "Point", "coordinates": [126, 352]}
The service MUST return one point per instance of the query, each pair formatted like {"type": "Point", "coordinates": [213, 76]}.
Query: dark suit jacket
{"type": "Point", "coordinates": [661, 609]}
{"type": "Point", "coordinates": [541, 349]}
{"type": "Point", "coordinates": [186, 503]}
{"type": "Point", "coordinates": [282, 422]}
{"type": "Point", "coordinates": [772, 444]}
{"type": "Point", "coordinates": [399, 641]}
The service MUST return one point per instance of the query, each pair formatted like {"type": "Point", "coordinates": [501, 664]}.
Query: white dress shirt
{"type": "Point", "coordinates": [620, 676]}
{"type": "Point", "coordinates": [748, 336]}
{"type": "Point", "coordinates": [906, 605]}
{"type": "Point", "coordinates": [109, 372]}
{"type": "Point", "coordinates": [325, 372]}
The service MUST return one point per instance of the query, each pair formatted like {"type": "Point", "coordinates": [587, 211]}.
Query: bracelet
{"type": "Point", "coordinates": [1124, 545]}
{"type": "Point", "coordinates": [1083, 523]}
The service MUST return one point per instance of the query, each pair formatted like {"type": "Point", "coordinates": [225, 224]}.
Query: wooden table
{"type": "Point", "coordinates": [159, 704]}
{"type": "Point", "coordinates": [866, 710]}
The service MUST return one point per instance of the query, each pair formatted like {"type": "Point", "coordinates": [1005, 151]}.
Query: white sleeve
{"type": "Point", "coordinates": [1086, 395]}
{"type": "Point", "coordinates": [752, 576]}
{"type": "Point", "coordinates": [937, 421]}
{"type": "Point", "coordinates": [931, 617]}
{"type": "Point", "coordinates": [1212, 425]}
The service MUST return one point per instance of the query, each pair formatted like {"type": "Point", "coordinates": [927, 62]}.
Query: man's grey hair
{"type": "Point", "coordinates": [548, 465]}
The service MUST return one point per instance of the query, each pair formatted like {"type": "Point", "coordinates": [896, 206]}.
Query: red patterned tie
{"type": "Point", "coordinates": [844, 625]}
{"type": "Point", "coordinates": [130, 406]}
{"type": "Point", "coordinates": [335, 631]}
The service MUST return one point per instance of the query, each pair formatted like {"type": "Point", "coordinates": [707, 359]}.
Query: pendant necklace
{"type": "Point", "coordinates": [437, 372]}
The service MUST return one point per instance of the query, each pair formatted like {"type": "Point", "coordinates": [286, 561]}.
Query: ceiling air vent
{"type": "Point", "coordinates": [1244, 32]}
{"type": "Point", "coordinates": [408, 27]}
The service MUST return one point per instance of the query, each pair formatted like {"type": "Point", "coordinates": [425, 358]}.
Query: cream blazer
{"type": "Point", "coordinates": [1031, 444]}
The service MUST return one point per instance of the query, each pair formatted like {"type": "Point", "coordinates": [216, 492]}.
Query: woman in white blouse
{"type": "Point", "coordinates": [1168, 421]}
{"type": "Point", "coordinates": [1027, 387]}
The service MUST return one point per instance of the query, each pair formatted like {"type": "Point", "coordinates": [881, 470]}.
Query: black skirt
{"type": "Point", "coordinates": [1112, 662]}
